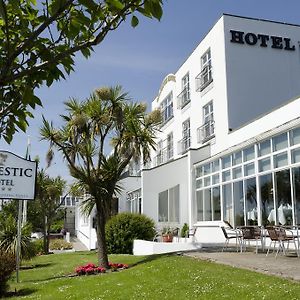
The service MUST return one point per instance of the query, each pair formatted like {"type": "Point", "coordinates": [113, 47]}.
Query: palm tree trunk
{"type": "Point", "coordinates": [101, 240]}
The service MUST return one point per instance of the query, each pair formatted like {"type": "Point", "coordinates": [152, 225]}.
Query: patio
{"type": "Point", "coordinates": [283, 266]}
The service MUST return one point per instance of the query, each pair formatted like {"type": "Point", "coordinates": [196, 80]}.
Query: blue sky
{"type": "Point", "coordinates": [140, 58]}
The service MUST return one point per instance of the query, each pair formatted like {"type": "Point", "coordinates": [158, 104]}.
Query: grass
{"type": "Point", "coordinates": [155, 277]}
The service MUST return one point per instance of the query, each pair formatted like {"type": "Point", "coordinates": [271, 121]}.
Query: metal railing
{"type": "Point", "coordinates": [184, 144]}
{"type": "Point", "coordinates": [206, 131]}
{"type": "Point", "coordinates": [183, 98]}
{"type": "Point", "coordinates": [204, 78]}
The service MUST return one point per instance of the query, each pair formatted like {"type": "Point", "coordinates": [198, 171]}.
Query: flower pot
{"type": "Point", "coordinates": [167, 238]}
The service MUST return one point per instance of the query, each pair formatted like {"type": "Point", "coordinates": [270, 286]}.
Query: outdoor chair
{"type": "Point", "coordinates": [251, 233]}
{"type": "Point", "coordinates": [279, 234]}
{"type": "Point", "coordinates": [231, 234]}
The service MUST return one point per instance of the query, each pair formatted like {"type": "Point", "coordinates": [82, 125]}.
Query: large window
{"type": "Point", "coordinates": [260, 183]}
{"type": "Point", "coordinates": [185, 143]}
{"type": "Point", "coordinates": [170, 151]}
{"type": "Point", "coordinates": [166, 108]}
{"type": "Point", "coordinates": [184, 96]}
{"type": "Point", "coordinates": [205, 76]}
{"type": "Point", "coordinates": [168, 205]}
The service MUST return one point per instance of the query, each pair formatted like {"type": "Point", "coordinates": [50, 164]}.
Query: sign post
{"type": "Point", "coordinates": [17, 181]}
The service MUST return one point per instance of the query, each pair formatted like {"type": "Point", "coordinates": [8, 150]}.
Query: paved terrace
{"type": "Point", "coordinates": [282, 266]}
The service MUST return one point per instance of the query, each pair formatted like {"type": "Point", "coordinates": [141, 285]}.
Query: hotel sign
{"type": "Point", "coordinates": [17, 177]}
{"type": "Point", "coordinates": [263, 40]}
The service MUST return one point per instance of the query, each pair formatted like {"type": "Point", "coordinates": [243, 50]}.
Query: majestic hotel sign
{"type": "Point", "coordinates": [17, 177]}
{"type": "Point", "coordinates": [263, 40]}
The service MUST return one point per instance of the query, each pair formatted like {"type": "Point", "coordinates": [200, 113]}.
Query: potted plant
{"type": "Point", "coordinates": [167, 235]}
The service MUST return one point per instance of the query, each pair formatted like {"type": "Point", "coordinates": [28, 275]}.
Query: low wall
{"type": "Point", "coordinates": [141, 247]}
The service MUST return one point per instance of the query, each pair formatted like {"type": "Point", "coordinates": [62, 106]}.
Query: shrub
{"type": "Point", "coordinates": [7, 267]}
{"type": "Point", "coordinates": [123, 228]}
{"type": "Point", "coordinates": [8, 238]}
{"type": "Point", "coordinates": [57, 226]}
{"type": "Point", "coordinates": [38, 246]}
{"type": "Point", "coordinates": [184, 230]}
{"type": "Point", "coordinates": [59, 244]}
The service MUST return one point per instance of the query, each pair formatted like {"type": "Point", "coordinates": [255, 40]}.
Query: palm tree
{"type": "Point", "coordinates": [98, 140]}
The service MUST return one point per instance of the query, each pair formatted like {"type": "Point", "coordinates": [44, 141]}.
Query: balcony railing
{"type": "Point", "coordinates": [206, 131]}
{"type": "Point", "coordinates": [164, 156]}
{"type": "Point", "coordinates": [204, 78]}
{"type": "Point", "coordinates": [183, 98]}
{"type": "Point", "coordinates": [184, 145]}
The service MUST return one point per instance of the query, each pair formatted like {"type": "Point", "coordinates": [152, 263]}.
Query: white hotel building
{"type": "Point", "coordinates": [229, 146]}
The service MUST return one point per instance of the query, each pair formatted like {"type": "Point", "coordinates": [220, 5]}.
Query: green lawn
{"type": "Point", "coordinates": [156, 277]}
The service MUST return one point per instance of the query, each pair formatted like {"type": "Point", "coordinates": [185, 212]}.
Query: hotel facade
{"type": "Point", "coordinates": [229, 144]}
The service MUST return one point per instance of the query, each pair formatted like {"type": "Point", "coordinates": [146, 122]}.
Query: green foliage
{"type": "Point", "coordinates": [7, 267]}
{"type": "Point", "coordinates": [60, 244]}
{"type": "Point", "coordinates": [8, 238]}
{"type": "Point", "coordinates": [39, 40]}
{"type": "Point", "coordinates": [57, 226]}
{"type": "Point", "coordinates": [184, 230]}
{"type": "Point", "coordinates": [123, 228]}
{"type": "Point", "coordinates": [38, 246]}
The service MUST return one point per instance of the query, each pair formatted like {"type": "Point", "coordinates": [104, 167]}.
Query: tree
{"type": "Point", "coordinates": [106, 117]}
{"type": "Point", "coordinates": [39, 41]}
{"type": "Point", "coordinates": [47, 201]}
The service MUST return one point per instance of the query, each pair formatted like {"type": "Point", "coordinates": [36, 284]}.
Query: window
{"type": "Point", "coordinates": [159, 154]}
{"type": "Point", "coordinates": [280, 142]}
{"type": "Point", "coordinates": [184, 96]}
{"type": "Point", "coordinates": [166, 108]}
{"type": "Point", "coordinates": [205, 76]}
{"type": "Point", "coordinates": [170, 151]}
{"type": "Point", "coordinates": [185, 143]}
{"type": "Point", "coordinates": [168, 205]}
{"type": "Point", "coordinates": [207, 130]}
{"type": "Point", "coordinates": [134, 201]}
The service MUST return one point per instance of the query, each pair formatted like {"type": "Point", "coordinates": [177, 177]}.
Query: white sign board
{"type": "Point", "coordinates": [17, 177]}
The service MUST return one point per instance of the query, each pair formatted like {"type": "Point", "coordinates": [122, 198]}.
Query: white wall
{"type": "Point", "coordinates": [161, 178]}
{"type": "Point", "coordinates": [128, 184]}
{"type": "Point", "coordinates": [259, 78]}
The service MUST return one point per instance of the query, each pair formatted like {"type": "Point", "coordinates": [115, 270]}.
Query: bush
{"type": "Point", "coordinates": [59, 244]}
{"type": "Point", "coordinates": [8, 238]}
{"type": "Point", "coordinates": [184, 230]}
{"type": "Point", "coordinates": [123, 228]}
{"type": "Point", "coordinates": [7, 267]}
{"type": "Point", "coordinates": [38, 246]}
{"type": "Point", "coordinates": [57, 226]}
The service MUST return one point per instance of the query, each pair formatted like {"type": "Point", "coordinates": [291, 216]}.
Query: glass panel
{"type": "Point", "coordinates": [267, 199]}
{"type": "Point", "coordinates": [227, 202]}
{"type": "Point", "coordinates": [238, 198]}
{"type": "Point", "coordinates": [226, 176]}
{"type": "Point", "coordinates": [199, 172]}
{"type": "Point", "coordinates": [199, 205]}
{"type": "Point", "coordinates": [215, 179]}
{"type": "Point", "coordinates": [280, 142]}
{"type": "Point", "coordinates": [226, 162]}
{"type": "Point", "coordinates": [283, 196]}
{"type": "Point", "coordinates": [249, 153]}
{"type": "Point", "coordinates": [174, 204]}
{"type": "Point", "coordinates": [264, 164]}
{"type": "Point", "coordinates": [206, 181]}
{"type": "Point", "coordinates": [199, 183]}
{"type": "Point", "coordinates": [249, 169]}
{"type": "Point", "coordinates": [215, 166]}
{"type": "Point", "coordinates": [295, 136]}
{"type": "Point", "coordinates": [216, 202]}
{"type": "Point", "coordinates": [280, 160]}
{"type": "Point", "coordinates": [296, 156]}
{"type": "Point", "coordinates": [237, 172]}
{"type": "Point", "coordinates": [264, 148]}
{"type": "Point", "coordinates": [163, 207]}
{"type": "Point", "coordinates": [207, 205]}
{"type": "Point", "coordinates": [251, 201]}
{"type": "Point", "coordinates": [237, 158]}
{"type": "Point", "coordinates": [296, 186]}
{"type": "Point", "coordinates": [206, 169]}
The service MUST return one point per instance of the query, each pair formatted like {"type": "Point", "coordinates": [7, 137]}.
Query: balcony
{"type": "Point", "coordinates": [184, 144]}
{"type": "Point", "coordinates": [183, 98]}
{"type": "Point", "coordinates": [206, 132]}
{"type": "Point", "coordinates": [204, 78]}
{"type": "Point", "coordinates": [163, 156]}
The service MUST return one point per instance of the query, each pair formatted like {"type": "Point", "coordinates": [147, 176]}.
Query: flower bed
{"type": "Point", "coordinates": [90, 269]}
